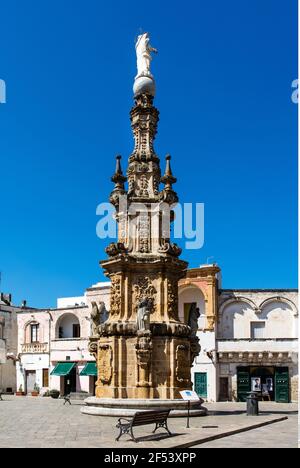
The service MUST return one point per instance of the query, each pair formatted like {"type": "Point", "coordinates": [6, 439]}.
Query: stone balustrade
{"type": "Point", "coordinates": [34, 348]}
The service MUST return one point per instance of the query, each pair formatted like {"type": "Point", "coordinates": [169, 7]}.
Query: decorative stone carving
{"type": "Point", "coordinates": [143, 315]}
{"type": "Point", "coordinates": [183, 364]}
{"type": "Point", "coordinates": [173, 299]}
{"type": "Point", "coordinates": [97, 316]}
{"type": "Point", "coordinates": [143, 353]}
{"type": "Point", "coordinates": [105, 357]}
{"type": "Point", "coordinates": [115, 301]}
{"type": "Point", "coordinates": [171, 249]}
{"type": "Point", "coordinates": [193, 319]}
{"type": "Point", "coordinates": [195, 348]}
{"type": "Point", "coordinates": [143, 191]}
{"type": "Point", "coordinates": [143, 289]}
{"type": "Point", "coordinates": [144, 233]}
{"type": "Point", "coordinates": [93, 347]}
{"type": "Point", "coordinates": [116, 248]}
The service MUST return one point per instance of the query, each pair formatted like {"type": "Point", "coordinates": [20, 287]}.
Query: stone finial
{"type": "Point", "coordinates": [168, 179]}
{"type": "Point", "coordinates": [118, 178]}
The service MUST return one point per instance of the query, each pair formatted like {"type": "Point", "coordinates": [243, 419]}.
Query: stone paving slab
{"type": "Point", "coordinates": [43, 422]}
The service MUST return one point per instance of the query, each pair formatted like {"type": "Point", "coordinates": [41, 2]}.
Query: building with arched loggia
{"type": "Point", "coordinates": [249, 338]}
{"type": "Point", "coordinates": [53, 345]}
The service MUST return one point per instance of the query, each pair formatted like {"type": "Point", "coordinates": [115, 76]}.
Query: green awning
{"type": "Point", "coordinates": [90, 369]}
{"type": "Point", "coordinates": [63, 368]}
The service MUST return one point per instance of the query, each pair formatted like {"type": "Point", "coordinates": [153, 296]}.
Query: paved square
{"type": "Point", "coordinates": [43, 422]}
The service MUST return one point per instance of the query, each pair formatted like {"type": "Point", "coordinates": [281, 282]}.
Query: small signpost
{"type": "Point", "coordinates": [189, 395]}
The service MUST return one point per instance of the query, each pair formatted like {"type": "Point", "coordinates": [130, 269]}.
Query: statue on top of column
{"type": "Point", "coordinates": [143, 53]}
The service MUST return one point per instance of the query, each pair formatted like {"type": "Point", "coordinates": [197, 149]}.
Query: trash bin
{"type": "Point", "coordinates": [252, 404]}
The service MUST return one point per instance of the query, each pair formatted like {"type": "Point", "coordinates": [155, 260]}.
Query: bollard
{"type": "Point", "coordinates": [252, 404]}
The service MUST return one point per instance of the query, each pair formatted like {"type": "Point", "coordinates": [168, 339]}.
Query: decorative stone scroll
{"type": "Point", "coordinates": [173, 299]}
{"type": "Point", "coordinates": [115, 301]}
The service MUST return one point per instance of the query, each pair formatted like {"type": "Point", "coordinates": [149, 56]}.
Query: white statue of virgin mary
{"type": "Point", "coordinates": [143, 53]}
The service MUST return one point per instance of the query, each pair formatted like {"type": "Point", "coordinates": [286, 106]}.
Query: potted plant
{"type": "Point", "coordinates": [20, 392]}
{"type": "Point", "coordinates": [36, 390]}
{"type": "Point", "coordinates": [54, 394]}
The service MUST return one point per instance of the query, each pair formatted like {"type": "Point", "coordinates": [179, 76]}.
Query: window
{"type": "Point", "coordinates": [257, 330]}
{"type": "Point", "coordinates": [46, 378]}
{"type": "Point", "coordinates": [34, 332]}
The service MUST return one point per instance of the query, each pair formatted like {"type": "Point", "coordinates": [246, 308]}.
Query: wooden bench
{"type": "Point", "coordinates": [143, 418]}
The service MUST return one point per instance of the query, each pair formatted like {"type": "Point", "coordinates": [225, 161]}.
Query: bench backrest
{"type": "Point", "coordinates": [149, 417]}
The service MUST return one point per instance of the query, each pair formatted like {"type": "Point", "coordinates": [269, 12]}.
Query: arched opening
{"type": "Point", "coordinates": [235, 317]}
{"type": "Point", "coordinates": [188, 296]}
{"type": "Point", "coordinates": [279, 318]}
{"type": "Point", "coordinates": [68, 327]}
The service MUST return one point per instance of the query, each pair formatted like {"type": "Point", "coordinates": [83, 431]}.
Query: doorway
{"type": "Point", "coordinates": [70, 382]}
{"type": "Point", "coordinates": [224, 389]}
{"type": "Point", "coordinates": [271, 382]}
{"type": "Point", "coordinates": [201, 384]}
{"type": "Point", "coordinates": [30, 381]}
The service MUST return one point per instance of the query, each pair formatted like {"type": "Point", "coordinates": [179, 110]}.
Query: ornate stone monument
{"type": "Point", "coordinates": [144, 352]}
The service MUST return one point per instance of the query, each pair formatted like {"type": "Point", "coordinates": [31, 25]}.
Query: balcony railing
{"type": "Point", "coordinates": [34, 348]}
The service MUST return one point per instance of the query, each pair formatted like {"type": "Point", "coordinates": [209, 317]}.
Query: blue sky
{"type": "Point", "coordinates": [224, 74]}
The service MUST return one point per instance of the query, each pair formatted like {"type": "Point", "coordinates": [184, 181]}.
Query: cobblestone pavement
{"type": "Point", "coordinates": [43, 422]}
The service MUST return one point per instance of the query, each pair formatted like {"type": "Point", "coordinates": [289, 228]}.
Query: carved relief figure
{"type": "Point", "coordinates": [193, 319]}
{"type": "Point", "coordinates": [99, 315]}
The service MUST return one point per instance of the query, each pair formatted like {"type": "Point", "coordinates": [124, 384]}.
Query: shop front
{"type": "Point", "coordinates": [66, 372]}
{"type": "Point", "coordinates": [271, 382]}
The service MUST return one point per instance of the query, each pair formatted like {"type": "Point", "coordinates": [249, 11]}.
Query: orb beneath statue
{"type": "Point", "coordinates": [144, 85]}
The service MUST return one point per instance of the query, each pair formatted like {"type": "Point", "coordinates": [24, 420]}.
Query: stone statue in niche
{"type": "Point", "coordinates": [99, 315]}
{"type": "Point", "coordinates": [143, 315]}
{"type": "Point", "coordinates": [193, 319]}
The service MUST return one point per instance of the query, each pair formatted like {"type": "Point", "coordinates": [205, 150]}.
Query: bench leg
{"type": "Point", "coordinates": [163, 425]}
{"type": "Point", "coordinates": [125, 429]}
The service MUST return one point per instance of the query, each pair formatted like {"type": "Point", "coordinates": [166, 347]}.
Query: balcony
{"type": "Point", "coordinates": [34, 348]}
